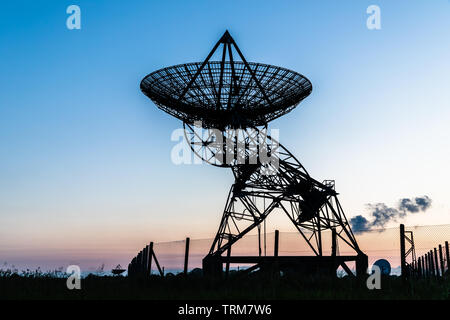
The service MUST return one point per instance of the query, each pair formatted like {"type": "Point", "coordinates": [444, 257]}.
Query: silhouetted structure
{"type": "Point", "coordinates": [141, 265]}
{"type": "Point", "coordinates": [231, 99]}
{"type": "Point", "coordinates": [225, 94]}
{"type": "Point", "coordinates": [408, 268]}
{"type": "Point", "coordinates": [118, 270]}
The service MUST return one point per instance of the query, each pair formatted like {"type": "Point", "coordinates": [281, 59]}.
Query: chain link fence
{"type": "Point", "coordinates": [377, 244]}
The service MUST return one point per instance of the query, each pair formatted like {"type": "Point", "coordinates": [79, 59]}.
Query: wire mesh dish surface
{"type": "Point", "coordinates": [226, 94]}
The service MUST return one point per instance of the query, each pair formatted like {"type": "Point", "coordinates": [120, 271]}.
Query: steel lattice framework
{"type": "Point", "coordinates": [229, 96]}
{"type": "Point", "coordinates": [311, 206]}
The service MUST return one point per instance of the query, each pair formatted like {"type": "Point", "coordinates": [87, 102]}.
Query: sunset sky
{"type": "Point", "coordinates": [85, 168]}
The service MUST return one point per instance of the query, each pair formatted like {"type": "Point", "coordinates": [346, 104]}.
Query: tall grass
{"type": "Point", "coordinates": [52, 285]}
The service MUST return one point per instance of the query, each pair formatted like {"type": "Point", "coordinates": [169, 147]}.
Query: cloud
{"type": "Point", "coordinates": [424, 203]}
{"type": "Point", "coordinates": [408, 205]}
{"type": "Point", "coordinates": [359, 224]}
{"type": "Point", "coordinates": [381, 214]}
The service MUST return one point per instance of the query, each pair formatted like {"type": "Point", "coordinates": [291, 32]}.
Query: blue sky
{"type": "Point", "coordinates": [85, 156]}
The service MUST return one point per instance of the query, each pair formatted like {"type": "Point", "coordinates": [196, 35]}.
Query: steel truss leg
{"type": "Point", "coordinates": [312, 207]}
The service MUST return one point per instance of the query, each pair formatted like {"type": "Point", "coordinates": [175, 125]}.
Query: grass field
{"type": "Point", "coordinates": [46, 286]}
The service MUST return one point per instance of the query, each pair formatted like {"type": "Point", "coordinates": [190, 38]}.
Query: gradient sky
{"type": "Point", "coordinates": [85, 170]}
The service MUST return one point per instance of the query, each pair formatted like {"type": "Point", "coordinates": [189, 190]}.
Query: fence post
{"type": "Point", "coordinates": [430, 264]}
{"type": "Point", "coordinates": [142, 260]}
{"type": "Point", "coordinates": [425, 264]}
{"type": "Point", "coordinates": [419, 264]}
{"type": "Point", "coordinates": [333, 242]}
{"type": "Point", "coordinates": [419, 267]}
{"type": "Point", "coordinates": [139, 262]}
{"type": "Point", "coordinates": [131, 268]}
{"type": "Point", "coordinates": [145, 260]}
{"type": "Point", "coordinates": [402, 251]}
{"type": "Point", "coordinates": [227, 266]}
{"type": "Point", "coordinates": [277, 237]}
{"type": "Point", "coordinates": [448, 256]}
{"type": "Point", "coordinates": [186, 256]}
{"type": "Point", "coordinates": [150, 256]}
{"type": "Point", "coordinates": [424, 267]}
{"type": "Point", "coordinates": [416, 268]}
{"type": "Point", "coordinates": [433, 270]}
{"type": "Point", "coordinates": [441, 260]}
{"type": "Point", "coordinates": [436, 263]}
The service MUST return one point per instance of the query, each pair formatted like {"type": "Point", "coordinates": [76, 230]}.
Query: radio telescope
{"type": "Point", "coordinates": [231, 102]}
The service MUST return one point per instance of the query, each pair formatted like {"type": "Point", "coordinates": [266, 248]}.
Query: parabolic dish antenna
{"type": "Point", "coordinates": [384, 266]}
{"type": "Point", "coordinates": [226, 94]}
